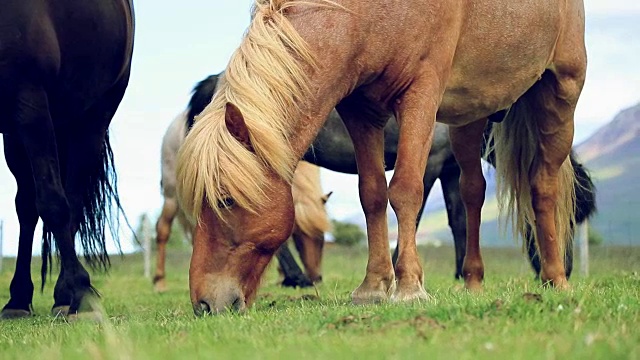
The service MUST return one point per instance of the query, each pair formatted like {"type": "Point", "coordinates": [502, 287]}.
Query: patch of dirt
{"type": "Point", "coordinates": [532, 297]}
{"type": "Point", "coordinates": [352, 320]}
{"type": "Point", "coordinates": [423, 325]}
{"type": "Point", "coordinates": [498, 304]}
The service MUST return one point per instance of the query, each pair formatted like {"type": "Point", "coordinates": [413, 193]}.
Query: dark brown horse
{"type": "Point", "coordinates": [458, 63]}
{"type": "Point", "coordinates": [64, 68]}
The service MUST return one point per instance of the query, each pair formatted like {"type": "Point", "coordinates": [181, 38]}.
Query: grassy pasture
{"type": "Point", "coordinates": [513, 318]}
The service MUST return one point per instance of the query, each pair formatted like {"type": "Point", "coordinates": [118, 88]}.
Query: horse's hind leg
{"type": "Point", "coordinates": [36, 130]}
{"type": "Point", "coordinates": [450, 180]}
{"type": "Point", "coordinates": [88, 188]}
{"type": "Point", "coordinates": [554, 98]}
{"type": "Point", "coordinates": [163, 232]}
{"type": "Point", "coordinates": [21, 288]}
{"type": "Point", "coordinates": [466, 143]}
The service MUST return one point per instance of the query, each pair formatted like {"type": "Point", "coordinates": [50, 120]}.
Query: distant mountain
{"type": "Point", "coordinates": [612, 154]}
{"type": "Point", "coordinates": [620, 137]}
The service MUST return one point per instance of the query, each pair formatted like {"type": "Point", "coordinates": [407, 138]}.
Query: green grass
{"type": "Point", "coordinates": [598, 319]}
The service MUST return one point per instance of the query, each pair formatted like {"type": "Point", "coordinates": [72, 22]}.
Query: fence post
{"type": "Point", "coordinates": [146, 234]}
{"type": "Point", "coordinates": [1, 238]}
{"type": "Point", "coordinates": [583, 241]}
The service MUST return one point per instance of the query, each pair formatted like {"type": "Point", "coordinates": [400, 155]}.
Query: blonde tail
{"type": "Point", "coordinates": [515, 143]}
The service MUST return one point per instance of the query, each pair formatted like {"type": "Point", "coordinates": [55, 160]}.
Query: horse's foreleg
{"type": "Point", "coordinates": [416, 115]}
{"type": "Point", "coordinates": [163, 232]}
{"type": "Point", "coordinates": [368, 140]}
{"type": "Point", "coordinates": [21, 288]}
{"type": "Point", "coordinates": [293, 275]}
{"type": "Point", "coordinates": [466, 143]}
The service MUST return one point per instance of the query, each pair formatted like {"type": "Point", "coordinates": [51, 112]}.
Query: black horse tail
{"type": "Point", "coordinates": [585, 192]}
{"type": "Point", "coordinates": [202, 94]}
{"type": "Point", "coordinates": [101, 209]}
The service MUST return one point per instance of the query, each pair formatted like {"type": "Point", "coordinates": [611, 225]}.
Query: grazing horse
{"type": "Point", "coordinates": [333, 150]}
{"type": "Point", "coordinates": [459, 63]}
{"type": "Point", "coordinates": [64, 70]}
{"type": "Point", "coordinates": [311, 217]}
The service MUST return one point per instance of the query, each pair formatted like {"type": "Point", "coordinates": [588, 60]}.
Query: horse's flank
{"type": "Point", "coordinates": [266, 80]}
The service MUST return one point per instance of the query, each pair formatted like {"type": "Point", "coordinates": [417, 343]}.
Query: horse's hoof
{"type": "Point", "coordinates": [366, 294]}
{"type": "Point", "coordinates": [160, 286]}
{"type": "Point", "coordinates": [558, 284]}
{"type": "Point", "coordinates": [416, 292]}
{"type": "Point", "coordinates": [60, 311]}
{"type": "Point", "coordinates": [8, 314]}
{"type": "Point", "coordinates": [474, 286]}
{"type": "Point", "coordinates": [300, 281]}
{"type": "Point", "coordinates": [88, 316]}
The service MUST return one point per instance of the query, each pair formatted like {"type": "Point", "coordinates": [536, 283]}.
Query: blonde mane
{"type": "Point", "coordinates": [265, 79]}
{"type": "Point", "coordinates": [311, 215]}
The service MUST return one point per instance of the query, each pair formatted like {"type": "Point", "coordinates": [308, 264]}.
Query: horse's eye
{"type": "Point", "coordinates": [225, 203]}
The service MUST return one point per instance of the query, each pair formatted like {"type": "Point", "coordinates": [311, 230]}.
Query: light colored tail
{"type": "Point", "coordinates": [515, 142]}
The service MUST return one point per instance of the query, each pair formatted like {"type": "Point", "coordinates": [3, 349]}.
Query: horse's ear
{"type": "Point", "coordinates": [235, 124]}
{"type": "Point", "coordinates": [325, 198]}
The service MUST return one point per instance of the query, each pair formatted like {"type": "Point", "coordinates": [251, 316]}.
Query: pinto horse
{"type": "Point", "coordinates": [458, 63]}
{"type": "Point", "coordinates": [64, 70]}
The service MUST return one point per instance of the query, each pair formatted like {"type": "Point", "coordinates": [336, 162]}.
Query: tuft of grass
{"type": "Point", "coordinates": [513, 318]}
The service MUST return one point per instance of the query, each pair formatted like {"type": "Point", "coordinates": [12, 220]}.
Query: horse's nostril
{"type": "Point", "coordinates": [238, 304]}
{"type": "Point", "coordinates": [202, 308]}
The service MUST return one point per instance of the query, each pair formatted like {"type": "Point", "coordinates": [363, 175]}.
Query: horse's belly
{"type": "Point", "coordinates": [498, 58]}
{"type": "Point", "coordinates": [463, 105]}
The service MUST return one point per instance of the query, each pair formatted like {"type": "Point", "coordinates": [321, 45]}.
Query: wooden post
{"type": "Point", "coordinates": [1, 238]}
{"type": "Point", "coordinates": [583, 241]}
{"type": "Point", "coordinates": [146, 234]}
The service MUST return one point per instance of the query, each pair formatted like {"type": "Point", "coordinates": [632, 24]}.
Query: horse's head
{"type": "Point", "coordinates": [232, 244]}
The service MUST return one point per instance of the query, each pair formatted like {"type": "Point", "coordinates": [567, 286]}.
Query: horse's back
{"type": "Point", "coordinates": [493, 51]}
{"type": "Point", "coordinates": [502, 51]}
{"type": "Point", "coordinates": [171, 142]}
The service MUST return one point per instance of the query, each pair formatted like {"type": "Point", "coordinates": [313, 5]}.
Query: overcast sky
{"type": "Point", "coordinates": [180, 43]}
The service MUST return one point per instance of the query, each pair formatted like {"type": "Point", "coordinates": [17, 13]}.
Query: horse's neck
{"type": "Point", "coordinates": [315, 113]}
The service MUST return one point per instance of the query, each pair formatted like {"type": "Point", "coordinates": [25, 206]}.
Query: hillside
{"type": "Point", "coordinates": [613, 156]}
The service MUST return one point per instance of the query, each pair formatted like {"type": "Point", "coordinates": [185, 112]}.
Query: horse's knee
{"type": "Point", "coordinates": [406, 192]}
{"type": "Point", "coordinates": [373, 195]}
{"type": "Point", "coordinates": [163, 230]}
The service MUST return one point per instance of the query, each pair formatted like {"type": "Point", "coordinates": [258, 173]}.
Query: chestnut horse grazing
{"type": "Point", "coordinates": [64, 68]}
{"type": "Point", "coordinates": [311, 216]}
{"type": "Point", "coordinates": [459, 63]}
